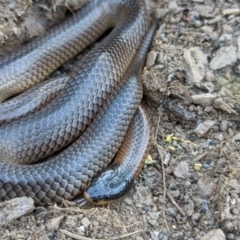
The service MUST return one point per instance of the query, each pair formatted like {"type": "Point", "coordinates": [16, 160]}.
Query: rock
{"type": "Point", "coordinates": [203, 128]}
{"type": "Point", "coordinates": [175, 194]}
{"type": "Point", "coordinates": [236, 137]}
{"type": "Point", "coordinates": [154, 215]}
{"type": "Point", "coordinates": [204, 99]}
{"type": "Point", "coordinates": [228, 226]}
{"type": "Point", "coordinates": [230, 236]}
{"type": "Point", "coordinates": [161, 12]}
{"type": "Point", "coordinates": [224, 125]}
{"type": "Point", "coordinates": [209, 86]}
{"type": "Point", "coordinates": [71, 221]}
{"type": "Point", "coordinates": [85, 222]}
{"type": "Point", "coordinates": [224, 57]}
{"type": "Point", "coordinates": [205, 187]}
{"type": "Point", "coordinates": [196, 217]}
{"type": "Point", "coordinates": [222, 104]}
{"type": "Point", "coordinates": [154, 87]}
{"type": "Point", "coordinates": [196, 64]}
{"type": "Point", "coordinates": [189, 208]}
{"type": "Point", "coordinates": [171, 211]}
{"type": "Point", "coordinates": [227, 29]}
{"type": "Point", "coordinates": [33, 27]}
{"type": "Point", "coordinates": [219, 137]}
{"type": "Point", "coordinates": [208, 109]}
{"type": "Point", "coordinates": [204, 11]}
{"type": "Point", "coordinates": [128, 201]}
{"type": "Point", "coordinates": [151, 58]}
{"type": "Point", "coordinates": [233, 184]}
{"type": "Point", "coordinates": [182, 170]}
{"type": "Point", "coordinates": [153, 222]}
{"type": "Point", "coordinates": [15, 208]}
{"type": "Point", "coordinates": [81, 230]}
{"type": "Point", "coordinates": [54, 223]}
{"type": "Point", "coordinates": [215, 234]}
{"type": "Point", "coordinates": [210, 76]}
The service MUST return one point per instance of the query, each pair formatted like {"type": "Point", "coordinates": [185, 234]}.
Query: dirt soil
{"type": "Point", "coordinates": [190, 185]}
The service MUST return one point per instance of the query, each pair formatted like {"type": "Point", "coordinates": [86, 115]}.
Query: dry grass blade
{"type": "Point", "coordinates": [163, 170]}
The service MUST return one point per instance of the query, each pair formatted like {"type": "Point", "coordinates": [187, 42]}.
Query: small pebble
{"type": "Point", "coordinates": [230, 236]}
{"type": "Point", "coordinates": [203, 128]}
{"type": "Point", "coordinates": [128, 201]}
{"type": "Point", "coordinates": [171, 211]}
{"type": "Point", "coordinates": [228, 226]}
{"type": "Point", "coordinates": [151, 58]}
{"type": "Point", "coordinates": [219, 137]}
{"type": "Point", "coordinates": [224, 125]}
{"type": "Point", "coordinates": [182, 170]}
{"type": "Point", "coordinates": [205, 186]}
{"type": "Point", "coordinates": [54, 223]}
{"type": "Point", "coordinates": [175, 194]}
{"type": "Point", "coordinates": [208, 109]}
{"type": "Point", "coordinates": [85, 222]}
{"type": "Point", "coordinates": [235, 211]}
{"type": "Point", "coordinates": [196, 217]}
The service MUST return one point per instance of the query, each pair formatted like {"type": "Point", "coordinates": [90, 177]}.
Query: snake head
{"type": "Point", "coordinates": [107, 186]}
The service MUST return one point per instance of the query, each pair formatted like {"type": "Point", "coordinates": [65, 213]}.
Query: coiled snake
{"type": "Point", "coordinates": [91, 112]}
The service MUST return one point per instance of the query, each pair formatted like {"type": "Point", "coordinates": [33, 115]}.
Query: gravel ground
{"type": "Point", "coordinates": [190, 185]}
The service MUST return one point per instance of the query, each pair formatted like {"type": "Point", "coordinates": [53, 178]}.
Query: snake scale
{"type": "Point", "coordinates": [93, 110]}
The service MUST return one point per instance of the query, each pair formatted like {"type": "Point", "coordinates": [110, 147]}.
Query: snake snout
{"type": "Point", "coordinates": [109, 185]}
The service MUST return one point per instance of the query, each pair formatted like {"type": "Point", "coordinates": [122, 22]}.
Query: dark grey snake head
{"type": "Point", "coordinates": [107, 186]}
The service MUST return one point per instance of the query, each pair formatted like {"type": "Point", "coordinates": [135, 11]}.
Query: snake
{"type": "Point", "coordinates": [92, 112]}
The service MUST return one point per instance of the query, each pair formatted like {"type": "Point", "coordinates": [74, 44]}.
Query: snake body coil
{"type": "Point", "coordinates": [97, 90]}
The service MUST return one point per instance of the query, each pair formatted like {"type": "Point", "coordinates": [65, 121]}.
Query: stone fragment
{"type": "Point", "coordinates": [196, 217]}
{"type": "Point", "coordinates": [196, 65]}
{"type": "Point", "coordinates": [219, 137]}
{"type": "Point", "coordinates": [154, 215]}
{"type": "Point", "coordinates": [54, 223]}
{"type": "Point", "coordinates": [205, 187]}
{"type": "Point", "coordinates": [161, 12]}
{"type": "Point", "coordinates": [128, 201]}
{"type": "Point", "coordinates": [215, 234]}
{"type": "Point", "coordinates": [15, 208]}
{"type": "Point", "coordinates": [204, 11]}
{"type": "Point", "coordinates": [151, 58]}
{"type": "Point", "coordinates": [204, 99]}
{"type": "Point", "coordinates": [224, 57]}
{"type": "Point", "coordinates": [175, 194]}
{"type": "Point", "coordinates": [228, 226]}
{"type": "Point", "coordinates": [71, 221]}
{"type": "Point", "coordinates": [224, 125]}
{"type": "Point", "coordinates": [236, 137]}
{"type": "Point", "coordinates": [189, 208]}
{"type": "Point", "coordinates": [154, 87]}
{"type": "Point", "coordinates": [81, 230]}
{"type": "Point", "coordinates": [85, 222]}
{"type": "Point", "coordinates": [231, 236]}
{"type": "Point", "coordinates": [181, 170]}
{"type": "Point", "coordinates": [225, 105]}
{"type": "Point", "coordinates": [203, 128]}
{"type": "Point", "coordinates": [171, 211]}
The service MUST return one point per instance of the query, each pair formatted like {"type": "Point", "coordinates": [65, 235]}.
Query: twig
{"type": "Point", "coordinates": [73, 235]}
{"type": "Point", "coordinates": [163, 170]}
{"type": "Point", "coordinates": [175, 204]}
{"type": "Point", "coordinates": [199, 157]}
